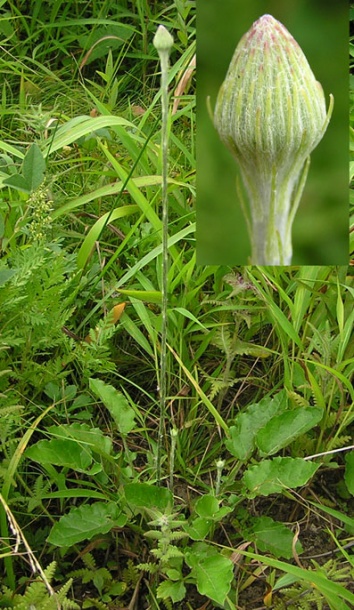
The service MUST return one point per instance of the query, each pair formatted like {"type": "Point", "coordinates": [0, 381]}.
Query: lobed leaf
{"type": "Point", "coordinates": [175, 591]}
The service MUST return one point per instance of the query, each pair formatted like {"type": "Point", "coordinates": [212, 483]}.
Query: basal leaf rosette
{"type": "Point", "coordinates": [271, 113]}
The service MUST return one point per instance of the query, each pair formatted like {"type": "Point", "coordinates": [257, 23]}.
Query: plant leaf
{"type": "Point", "coordinates": [198, 529]}
{"type": "Point", "coordinates": [148, 496]}
{"type": "Point", "coordinates": [33, 167]}
{"type": "Point", "coordinates": [61, 452]}
{"type": "Point", "coordinates": [208, 507]}
{"type": "Point", "coordinates": [103, 38]}
{"type": "Point", "coordinates": [175, 591]}
{"type": "Point", "coordinates": [149, 296]}
{"type": "Point", "coordinates": [277, 474]}
{"type": "Point", "coordinates": [6, 275]}
{"type": "Point", "coordinates": [96, 230]}
{"type": "Point", "coordinates": [84, 522]}
{"type": "Point", "coordinates": [213, 577]}
{"type": "Point", "coordinates": [93, 438]}
{"type": "Point", "coordinates": [332, 591]}
{"type": "Point", "coordinates": [281, 430]}
{"type": "Point", "coordinates": [349, 472]}
{"type": "Point", "coordinates": [17, 182]}
{"type": "Point", "coordinates": [273, 537]}
{"type": "Point", "coordinates": [256, 416]}
{"type": "Point", "coordinates": [116, 403]}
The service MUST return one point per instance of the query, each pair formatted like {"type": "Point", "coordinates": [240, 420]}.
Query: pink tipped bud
{"type": "Point", "coordinates": [271, 114]}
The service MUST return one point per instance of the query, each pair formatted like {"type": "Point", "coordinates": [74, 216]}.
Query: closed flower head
{"type": "Point", "coordinates": [271, 113]}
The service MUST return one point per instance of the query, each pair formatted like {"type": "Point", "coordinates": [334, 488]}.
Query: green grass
{"type": "Point", "coordinates": [259, 359]}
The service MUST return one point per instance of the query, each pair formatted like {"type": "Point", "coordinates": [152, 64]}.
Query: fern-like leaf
{"type": "Point", "coordinates": [299, 400]}
{"type": "Point", "coordinates": [224, 341]}
{"type": "Point", "coordinates": [130, 574]}
{"type": "Point", "coordinates": [151, 568]}
{"type": "Point", "coordinates": [37, 595]}
{"type": "Point", "coordinates": [167, 603]}
{"type": "Point", "coordinates": [40, 488]}
{"type": "Point", "coordinates": [89, 561]}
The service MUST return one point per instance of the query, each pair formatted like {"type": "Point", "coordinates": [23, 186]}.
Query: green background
{"type": "Point", "coordinates": [320, 231]}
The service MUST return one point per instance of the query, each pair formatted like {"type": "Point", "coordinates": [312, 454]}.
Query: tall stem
{"type": "Point", "coordinates": [163, 42]}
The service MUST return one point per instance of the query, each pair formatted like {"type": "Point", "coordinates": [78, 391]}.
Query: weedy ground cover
{"type": "Point", "coordinates": [256, 473]}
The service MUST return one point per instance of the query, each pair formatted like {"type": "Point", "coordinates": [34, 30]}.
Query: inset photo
{"type": "Point", "coordinates": [272, 137]}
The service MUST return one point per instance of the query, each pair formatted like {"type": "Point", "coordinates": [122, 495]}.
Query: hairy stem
{"type": "Point", "coordinates": [163, 42]}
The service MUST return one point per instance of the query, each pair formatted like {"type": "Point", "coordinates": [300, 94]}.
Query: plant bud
{"type": "Point", "coordinates": [163, 41]}
{"type": "Point", "coordinates": [271, 113]}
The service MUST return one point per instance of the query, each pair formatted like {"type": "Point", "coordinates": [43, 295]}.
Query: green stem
{"type": "Point", "coordinates": [163, 42]}
{"type": "Point", "coordinates": [173, 433]}
{"type": "Point", "coordinates": [273, 205]}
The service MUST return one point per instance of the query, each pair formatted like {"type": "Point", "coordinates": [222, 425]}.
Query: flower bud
{"type": "Point", "coordinates": [163, 41]}
{"type": "Point", "coordinates": [271, 114]}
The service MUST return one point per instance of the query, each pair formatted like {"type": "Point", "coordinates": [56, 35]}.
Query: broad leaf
{"type": "Point", "coordinates": [243, 433]}
{"type": "Point", "coordinates": [213, 576]}
{"type": "Point", "coordinates": [208, 507]}
{"type": "Point", "coordinates": [281, 430]}
{"type": "Point", "coordinates": [104, 38]}
{"type": "Point", "coordinates": [116, 403]}
{"type": "Point", "coordinates": [33, 167]}
{"type": "Point", "coordinates": [84, 522]}
{"type": "Point", "coordinates": [18, 182]}
{"type": "Point", "coordinates": [199, 528]}
{"type": "Point", "coordinates": [144, 495]}
{"type": "Point", "coordinates": [93, 438]}
{"type": "Point", "coordinates": [273, 537]}
{"type": "Point", "coordinates": [65, 453]}
{"type": "Point", "coordinates": [272, 476]}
